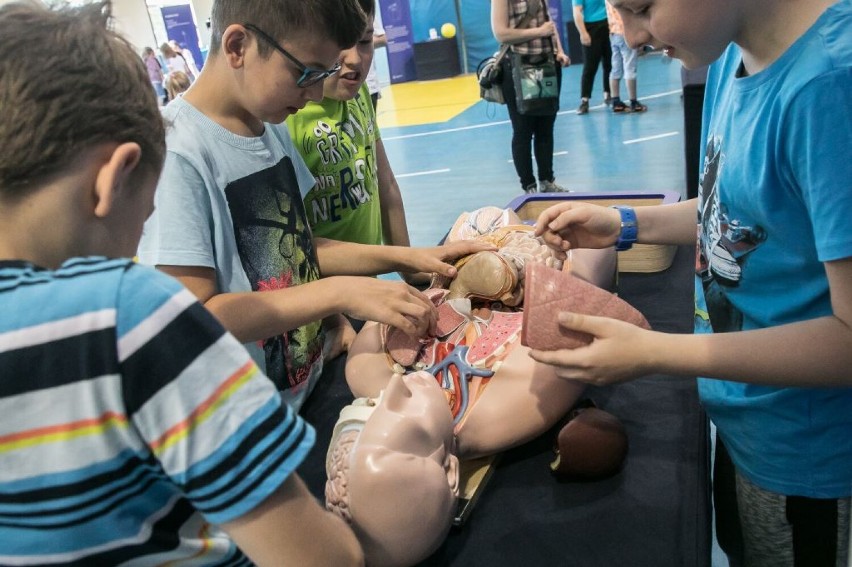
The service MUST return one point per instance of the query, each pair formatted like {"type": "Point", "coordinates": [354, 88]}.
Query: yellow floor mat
{"type": "Point", "coordinates": [426, 102]}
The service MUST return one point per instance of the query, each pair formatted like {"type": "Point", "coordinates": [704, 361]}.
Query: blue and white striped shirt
{"type": "Point", "coordinates": [130, 420]}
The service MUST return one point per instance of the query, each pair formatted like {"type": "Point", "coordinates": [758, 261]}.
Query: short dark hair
{"type": "Point", "coordinates": [368, 7]}
{"type": "Point", "coordinates": [69, 83]}
{"type": "Point", "coordinates": [341, 21]}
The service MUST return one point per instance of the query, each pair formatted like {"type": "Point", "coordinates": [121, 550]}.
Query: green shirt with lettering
{"type": "Point", "coordinates": [337, 139]}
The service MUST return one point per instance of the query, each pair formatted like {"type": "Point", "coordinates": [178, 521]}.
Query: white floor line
{"type": "Point", "coordinates": [415, 174]}
{"type": "Point", "coordinates": [647, 138]}
{"type": "Point", "coordinates": [501, 122]}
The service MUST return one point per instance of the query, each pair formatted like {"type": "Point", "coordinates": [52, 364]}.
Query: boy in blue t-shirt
{"type": "Point", "coordinates": [133, 428]}
{"type": "Point", "coordinates": [773, 294]}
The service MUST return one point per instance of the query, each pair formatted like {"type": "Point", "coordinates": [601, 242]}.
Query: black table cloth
{"type": "Point", "coordinates": [655, 512]}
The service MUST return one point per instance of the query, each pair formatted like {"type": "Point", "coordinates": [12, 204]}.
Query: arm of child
{"type": "Point", "coordinates": [812, 353]}
{"type": "Point", "coordinates": [274, 532]}
{"type": "Point", "coordinates": [254, 316]}
{"type": "Point", "coordinates": [211, 408]}
{"type": "Point", "coordinates": [338, 258]}
{"type": "Point", "coordinates": [394, 226]}
{"type": "Point", "coordinates": [584, 225]}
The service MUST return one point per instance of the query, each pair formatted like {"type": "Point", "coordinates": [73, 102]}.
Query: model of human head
{"type": "Point", "coordinates": [392, 471]}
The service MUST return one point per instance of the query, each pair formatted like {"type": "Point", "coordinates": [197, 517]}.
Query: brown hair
{"type": "Point", "coordinates": [167, 51]}
{"type": "Point", "coordinates": [176, 83]}
{"type": "Point", "coordinates": [68, 83]}
{"type": "Point", "coordinates": [341, 21]}
{"type": "Point", "coordinates": [368, 7]}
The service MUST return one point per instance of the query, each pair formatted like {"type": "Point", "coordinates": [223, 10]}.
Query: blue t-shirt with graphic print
{"type": "Point", "coordinates": [774, 205]}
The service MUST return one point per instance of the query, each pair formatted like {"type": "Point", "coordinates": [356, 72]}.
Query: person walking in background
{"type": "Point", "coordinates": [590, 20]}
{"type": "Point", "coordinates": [530, 133]}
{"type": "Point", "coordinates": [155, 73]}
{"type": "Point", "coordinates": [623, 65]}
{"type": "Point", "coordinates": [175, 62]}
{"type": "Point", "coordinates": [187, 56]}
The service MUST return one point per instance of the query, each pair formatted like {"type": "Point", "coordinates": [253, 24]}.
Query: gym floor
{"type": "Point", "coordinates": [451, 151]}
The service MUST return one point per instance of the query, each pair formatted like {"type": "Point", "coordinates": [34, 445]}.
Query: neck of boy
{"type": "Point", "coordinates": [55, 206]}
{"type": "Point", "coordinates": [770, 27]}
{"type": "Point", "coordinates": [209, 97]}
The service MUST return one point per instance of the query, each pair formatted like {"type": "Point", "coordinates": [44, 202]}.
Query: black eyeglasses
{"type": "Point", "coordinates": [309, 76]}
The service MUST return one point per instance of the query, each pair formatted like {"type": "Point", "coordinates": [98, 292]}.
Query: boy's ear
{"type": "Point", "coordinates": [114, 174]}
{"type": "Point", "coordinates": [235, 41]}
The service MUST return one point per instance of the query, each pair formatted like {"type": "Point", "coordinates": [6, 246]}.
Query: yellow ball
{"type": "Point", "coordinates": [448, 30]}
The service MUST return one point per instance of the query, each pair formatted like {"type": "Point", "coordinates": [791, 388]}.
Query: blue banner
{"type": "Point", "coordinates": [180, 26]}
{"type": "Point", "coordinates": [396, 19]}
{"type": "Point", "coordinates": [555, 9]}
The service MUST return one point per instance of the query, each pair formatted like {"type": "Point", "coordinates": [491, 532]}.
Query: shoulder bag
{"type": "Point", "coordinates": [489, 72]}
{"type": "Point", "coordinates": [536, 82]}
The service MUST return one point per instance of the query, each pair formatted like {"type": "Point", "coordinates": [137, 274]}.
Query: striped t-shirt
{"type": "Point", "coordinates": [127, 412]}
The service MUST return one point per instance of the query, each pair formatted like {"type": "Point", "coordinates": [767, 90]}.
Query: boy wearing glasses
{"type": "Point", "coordinates": [229, 220]}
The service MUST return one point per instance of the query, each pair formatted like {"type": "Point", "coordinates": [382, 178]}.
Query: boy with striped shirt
{"type": "Point", "coordinates": [133, 427]}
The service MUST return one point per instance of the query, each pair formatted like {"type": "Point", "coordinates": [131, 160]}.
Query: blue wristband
{"type": "Point", "coordinates": [628, 228]}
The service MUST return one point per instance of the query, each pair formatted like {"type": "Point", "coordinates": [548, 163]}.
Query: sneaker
{"type": "Point", "coordinates": [583, 108]}
{"type": "Point", "coordinates": [618, 105]}
{"type": "Point", "coordinates": [531, 188]}
{"type": "Point", "coordinates": [608, 99]}
{"type": "Point", "coordinates": [551, 187]}
{"type": "Point", "coordinates": [636, 106]}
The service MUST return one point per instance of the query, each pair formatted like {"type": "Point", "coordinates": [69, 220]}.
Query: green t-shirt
{"type": "Point", "coordinates": [337, 139]}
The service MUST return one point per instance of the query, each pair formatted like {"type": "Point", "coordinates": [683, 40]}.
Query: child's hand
{"type": "Point", "coordinates": [578, 225]}
{"type": "Point", "coordinates": [391, 302]}
{"type": "Point", "coordinates": [439, 259]}
{"type": "Point", "coordinates": [619, 352]}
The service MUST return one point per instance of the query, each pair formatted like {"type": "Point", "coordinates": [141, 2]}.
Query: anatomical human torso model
{"type": "Point", "coordinates": [499, 396]}
{"type": "Point", "coordinates": [425, 402]}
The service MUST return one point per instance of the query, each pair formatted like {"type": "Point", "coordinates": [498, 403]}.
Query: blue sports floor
{"type": "Point", "coordinates": [448, 166]}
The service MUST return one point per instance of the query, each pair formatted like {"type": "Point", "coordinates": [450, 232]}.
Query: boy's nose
{"type": "Point", "coordinates": [637, 37]}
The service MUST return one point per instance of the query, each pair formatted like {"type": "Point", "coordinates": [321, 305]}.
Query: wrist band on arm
{"type": "Point", "coordinates": [629, 228]}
